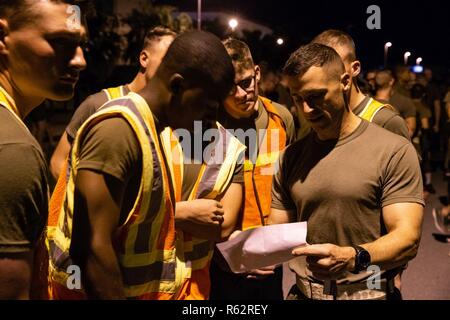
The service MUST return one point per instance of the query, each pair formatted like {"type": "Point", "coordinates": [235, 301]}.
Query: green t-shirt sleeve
{"type": "Point", "coordinates": [393, 122]}
{"type": "Point", "coordinates": [110, 147]}
{"type": "Point", "coordinates": [281, 198]}
{"type": "Point", "coordinates": [86, 109]}
{"type": "Point", "coordinates": [402, 181]}
{"type": "Point", "coordinates": [23, 197]}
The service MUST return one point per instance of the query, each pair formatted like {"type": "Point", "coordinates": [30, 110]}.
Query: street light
{"type": "Point", "coordinates": [406, 56]}
{"type": "Point", "coordinates": [199, 14]}
{"type": "Point", "coordinates": [387, 45]}
{"type": "Point", "coordinates": [280, 41]}
{"type": "Point", "coordinates": [419, 60]}
{"type": "Point", "coordinates": [233, 23]}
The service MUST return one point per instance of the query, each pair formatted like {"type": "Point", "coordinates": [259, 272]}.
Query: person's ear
{"type": "Point", "coordinates": [176, 83]}
{"type": "Point", "coordinates": [356, 68]}
{"type": "Point", "coordinates": [143, 59]}
{"type": "Point", "coordinates": [257, 73]}
{"type": "Point", "coordinates": [346, 82]}
{"type": "Point", "coordinates": [4, 30]}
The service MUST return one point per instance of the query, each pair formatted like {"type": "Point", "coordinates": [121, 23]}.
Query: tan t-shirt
{"type": "Point", "coordinates": [339, 187]}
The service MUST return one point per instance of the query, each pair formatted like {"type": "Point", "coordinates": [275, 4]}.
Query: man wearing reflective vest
{"type": "Point", "coordinates": [266, 128]}
{"type": "Point", "coordinates": [363, 106]}
{"type": "Point", "coordinates": [118, 221]}
{"type": "Point", "coordinates": [200, 220]}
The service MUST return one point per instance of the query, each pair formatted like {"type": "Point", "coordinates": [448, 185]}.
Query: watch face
{"type": "Point", "coordinates": [364, 259]}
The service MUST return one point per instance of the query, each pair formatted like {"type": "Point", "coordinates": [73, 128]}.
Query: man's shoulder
{"type": "Point", "coordinates": [383, 137]}
{"type": "Point", "coordinates": [12, 132]}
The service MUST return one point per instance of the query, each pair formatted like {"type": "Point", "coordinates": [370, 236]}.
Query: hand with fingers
{"type": "Point", "coordinates": [261, 273]}
{"type": "Point", "coordinates": [205, 211]}
{"type": "Point", "coordinates": [327, 261]}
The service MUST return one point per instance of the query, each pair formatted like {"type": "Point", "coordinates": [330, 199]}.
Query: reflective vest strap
{"type": "Point", "coordinates": [258, 176]}
{"type": "Point", "coordinates": [114, 93]}
{"type": "Point", "coordinates": [174, 154]}
{"type": "Point", "coordinates": [372, 108]}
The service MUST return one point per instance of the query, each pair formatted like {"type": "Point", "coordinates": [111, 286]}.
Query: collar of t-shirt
{"type": "Point", "coordinates": [352, 136]}
{"type": "Point", "coordinates": [361, 105]}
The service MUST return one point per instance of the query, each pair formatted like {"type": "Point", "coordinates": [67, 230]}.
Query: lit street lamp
{"type": "Point", "coordinates": [419, 60]}
{"type": "Point", "coordinates": [199, 14]}
{"type": "Point", "coordinates": [233, 23]}
{"type": "Point", "coordinates": [387, 45]}
{"type": "Point", "coordinates": [280, 41]}
{"type": "Point", "coordinates": [406, 56]}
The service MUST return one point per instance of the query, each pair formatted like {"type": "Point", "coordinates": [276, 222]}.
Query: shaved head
{"type": "Point", "coordinates": [340, 41]}
{"type": "Point", "coordinates": [317, 55]}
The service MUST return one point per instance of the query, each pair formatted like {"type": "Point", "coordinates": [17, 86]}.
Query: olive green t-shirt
{"type": "Point", "coordinates": [23, 186]}
{"type": "Point", "coordinates": [86, 109]}
{"type": "Point", "coordinates": [339, 187]}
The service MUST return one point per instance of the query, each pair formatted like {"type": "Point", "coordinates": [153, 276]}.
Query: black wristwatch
{"type": "Point", "coordinates": [362, 259]}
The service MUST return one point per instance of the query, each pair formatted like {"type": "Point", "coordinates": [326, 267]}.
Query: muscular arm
{"type": "Point", "coordinates": [59, 155]}
{"type": "Point", "coordinates": [98, 200]}
{"type": "Point", "coordinates": [404, 223]}
{"type": "Point", "coordinates": [231, 202]}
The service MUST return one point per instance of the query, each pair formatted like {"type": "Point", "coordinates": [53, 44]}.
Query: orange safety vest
{"type": "Point", "coordinates": [212, 181]}
{"type": "Point", "coordinates": [146, 243]}
{"type": "Point", "coordinates": [258, 176]}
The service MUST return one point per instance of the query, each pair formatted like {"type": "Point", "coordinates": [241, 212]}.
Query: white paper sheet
{"type": "Point", "coordinates": [263, 246]}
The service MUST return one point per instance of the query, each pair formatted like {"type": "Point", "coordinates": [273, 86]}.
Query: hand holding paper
{"type": "Point", "coordinates": [264, 246]}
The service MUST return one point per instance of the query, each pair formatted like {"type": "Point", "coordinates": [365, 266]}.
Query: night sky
{"type": "Point", "coordinates": [422, 27]}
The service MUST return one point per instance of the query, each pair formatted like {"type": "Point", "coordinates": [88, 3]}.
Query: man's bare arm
{"type": "Point", "coordinates": [403, 222]}
{"type": "Point", "coordinates": [97, 217]}
{"type": "Point", "coordinates": [59, 156]}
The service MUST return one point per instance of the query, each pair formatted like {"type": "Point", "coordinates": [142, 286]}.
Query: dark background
{"type": "Point", "coordinates": [422, 27]}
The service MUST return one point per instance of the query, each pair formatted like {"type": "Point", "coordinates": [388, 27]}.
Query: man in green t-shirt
{"type": "Point", "coordinates": [357, 185]}
{"type": "Point", "coordinates": [40, 58]}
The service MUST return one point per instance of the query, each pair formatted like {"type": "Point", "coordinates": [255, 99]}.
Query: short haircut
{"type": "Point", "coordinates": [313, 54]}
{"type": "Point", "coordinates": [202, 60]}
{"type": "Point", "coordinates": [20, 12]}
{"type": "Point", "coordinates": [155, 35]}
{"type": "Point", "coordinates": [383, 78]}
{"type": "Point", "coordinates": [334, 38]}
{"type": "Point", "coordinates": [240, 54]}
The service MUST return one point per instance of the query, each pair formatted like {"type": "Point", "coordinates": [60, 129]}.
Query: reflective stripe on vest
{"type": "Point", "coordinates": [372, 108]}
{"type": "Point", "coordinates": [146, 242]}
{"type": "Point", "coordinates": [258, 176]}
{"type": "Point", "coordinates": [215, 176]}
{"type": "Point", "coordinates": [115, 93]}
